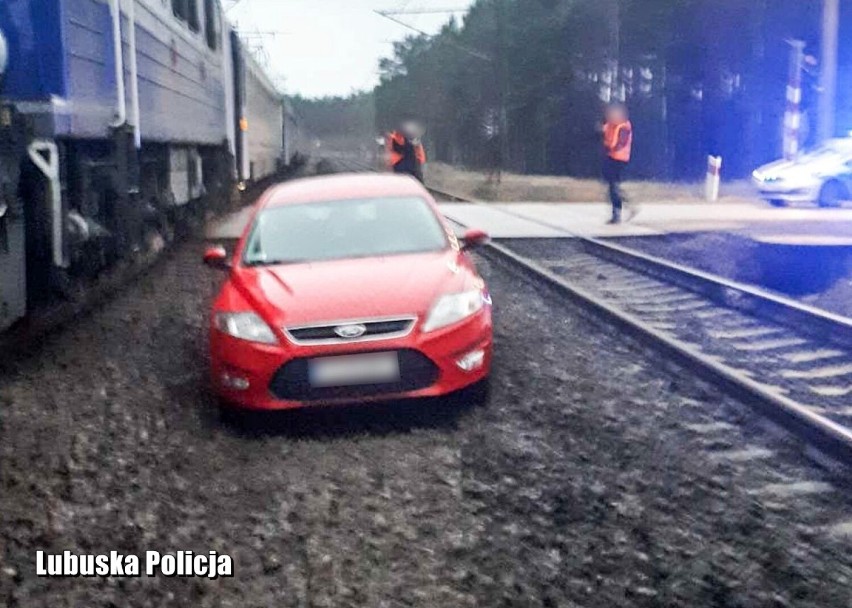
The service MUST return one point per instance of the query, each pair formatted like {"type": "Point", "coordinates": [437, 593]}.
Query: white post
{"type": "Point", "coordinates": [714, 178]}
{"type": "Point", "coordinates": [4, 54]}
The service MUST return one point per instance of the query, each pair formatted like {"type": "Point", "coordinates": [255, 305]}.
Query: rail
{"type": "Point", "coordinates": [782, 357]}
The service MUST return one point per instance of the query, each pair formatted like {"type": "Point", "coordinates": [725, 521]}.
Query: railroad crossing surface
{"type": "Point", "coordinates": [809, 226]}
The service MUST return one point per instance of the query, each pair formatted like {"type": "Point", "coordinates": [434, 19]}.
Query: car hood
{"type": "Point", "coordinates": [294, 294]}
{"type": "Point", "coordinates": [808, 166]}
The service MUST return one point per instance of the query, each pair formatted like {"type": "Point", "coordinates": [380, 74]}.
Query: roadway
{"type": "Point", "coordinates": [810, 226]}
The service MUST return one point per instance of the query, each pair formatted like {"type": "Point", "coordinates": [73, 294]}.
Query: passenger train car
{"type": "Point", "coordinates": [119, 121]}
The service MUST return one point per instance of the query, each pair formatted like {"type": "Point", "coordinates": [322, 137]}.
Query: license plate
{"type": "Point", "coordinates": [352, 370]}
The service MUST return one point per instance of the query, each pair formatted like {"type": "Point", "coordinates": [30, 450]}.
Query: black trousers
{"type": "Point", "coordinates": [613, 170]}
{"type": "Point", "coordinates": [412, 168]}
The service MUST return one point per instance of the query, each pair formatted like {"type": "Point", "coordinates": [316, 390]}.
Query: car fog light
{"type": "Point", "coordinates": [235, 382]}
{"type": "Point", "coordinates": [472, 360]}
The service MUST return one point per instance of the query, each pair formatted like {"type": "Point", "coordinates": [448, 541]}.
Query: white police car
{"type": "Point", "coordinates": [822, 176]}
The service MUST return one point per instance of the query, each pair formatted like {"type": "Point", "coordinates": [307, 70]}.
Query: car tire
{"type": "Point", "coordinates": [229, 415]}
{"type": "Point", "coordinates": [476, 395]}
{"type": "Point", "coordinates": [832, 194]}
{"type": "Point", "coordinates": [777, 202]}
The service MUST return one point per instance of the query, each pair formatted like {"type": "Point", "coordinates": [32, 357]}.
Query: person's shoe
{"type": "Point", "coordinates": [614, 220]}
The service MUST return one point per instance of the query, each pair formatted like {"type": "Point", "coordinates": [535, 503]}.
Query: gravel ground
{"type": "Point", "coordinates": [596, 477]}
{"type": "Point", "coordinates": [820, 276]}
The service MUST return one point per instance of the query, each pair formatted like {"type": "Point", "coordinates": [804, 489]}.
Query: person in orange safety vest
{"type": "Point", "coordinates": [405, 150]}
{"type": "Point", "coordinates": [618, 144]}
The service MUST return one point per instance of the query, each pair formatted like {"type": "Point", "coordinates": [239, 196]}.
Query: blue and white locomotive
{"type": "Point", "coordinates": [119, 121]}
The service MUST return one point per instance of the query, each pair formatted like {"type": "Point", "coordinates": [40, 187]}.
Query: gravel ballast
{"type": "Point", "coordinates": [817, 275]}
{"type": "Point", "coordinates": [596, 477]}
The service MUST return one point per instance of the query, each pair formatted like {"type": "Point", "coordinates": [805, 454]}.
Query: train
{"type": "Point", "coordinates": [121, 122]}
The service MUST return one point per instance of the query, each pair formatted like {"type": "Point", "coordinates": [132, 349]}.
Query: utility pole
{"type": "Point", "coordinates": [503, 85]}
{"type": "Point", "coordinates": [828, 69]}
{"type": "Point", "coordinates": [793, 113]}
{"type": "Point", "coordinates": [614, 51]}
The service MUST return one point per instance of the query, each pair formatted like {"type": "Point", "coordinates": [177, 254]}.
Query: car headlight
{"type": "Point", "coordinates": [454, 307]}
{"type": "Point", "coordinates": [766, 178]}
{"type": "Point", "coordinates": [245, 326]}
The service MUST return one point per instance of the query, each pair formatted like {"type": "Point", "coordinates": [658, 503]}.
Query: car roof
{"type": "Point", "coordinates": [840, 144]}
{"type": "Point", "coordinates": [342, 186]}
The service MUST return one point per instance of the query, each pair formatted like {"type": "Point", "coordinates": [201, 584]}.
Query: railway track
{"type": "Point", "coordinates": [790, 361]}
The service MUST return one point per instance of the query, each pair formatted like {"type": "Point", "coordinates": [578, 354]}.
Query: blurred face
{"type": "Point", "coordinates": [615, 114]}
{"type": "Point", "coordinates": [411, 128]}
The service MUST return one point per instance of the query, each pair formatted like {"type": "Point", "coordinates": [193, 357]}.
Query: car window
{"type": "Point", "coordinates": [331, 230]}
{"type": "Point", "coordinates": [819, 154]}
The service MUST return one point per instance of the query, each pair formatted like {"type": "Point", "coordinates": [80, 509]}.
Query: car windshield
{"type": "Point", "coordinates": [820, 154]}
{"type": "Point", "coordinates": [831, 149]}
{"type": "Point", "coordinates": [318, 231]}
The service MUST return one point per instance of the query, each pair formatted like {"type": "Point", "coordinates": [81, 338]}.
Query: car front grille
{"type": "Point", "coordinates": [374, 329]}
{"type": "Point", "coordinates": [291, 381]}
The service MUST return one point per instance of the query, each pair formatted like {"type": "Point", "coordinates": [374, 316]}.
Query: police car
{"type": "Point", "coordinates": [822, 176]}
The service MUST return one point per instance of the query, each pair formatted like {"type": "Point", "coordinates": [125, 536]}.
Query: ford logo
{"type": "Point", "coordinates": [350, 331]}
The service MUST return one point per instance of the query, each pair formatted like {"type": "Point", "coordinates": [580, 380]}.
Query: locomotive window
{"type": "Point", "coordinates": [179, 9]}
{"type": "Point", "coordinates": [192, 16]}
{"type": "Point", "coordinates": [212, 23]}
{"type": "Point", "coordinates": [187, 11]}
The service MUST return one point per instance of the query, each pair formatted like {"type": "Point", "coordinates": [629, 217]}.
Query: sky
{"type": "Point", "coordinates": [330, 47]}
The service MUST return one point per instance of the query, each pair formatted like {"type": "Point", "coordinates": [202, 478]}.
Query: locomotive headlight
{"type": "Point", "coordinates": [4, 53]}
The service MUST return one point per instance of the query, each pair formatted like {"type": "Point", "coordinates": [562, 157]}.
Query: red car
{"type": "Point", "coordinates": [348, 288]}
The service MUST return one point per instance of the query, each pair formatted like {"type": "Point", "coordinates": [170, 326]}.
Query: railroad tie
{"type": "Point", "coordinates": [819, 373]}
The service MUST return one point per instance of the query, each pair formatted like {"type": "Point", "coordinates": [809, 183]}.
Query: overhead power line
{"type": "Point", "coordinates": [461, 47]}
{"type": "Point", "coordinates": [433, 11]}
{"type": "Point", "coordinates": [234, 4]}
{"type": "Point", "coordinates": [262, 33]}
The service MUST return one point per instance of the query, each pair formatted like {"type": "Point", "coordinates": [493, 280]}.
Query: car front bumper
{"type": "Point", "coordinates": [272, 377]}
{"type": "Point", "coordinates": [799, 193]}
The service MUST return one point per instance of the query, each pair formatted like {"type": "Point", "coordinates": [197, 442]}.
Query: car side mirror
{"type": "Point", "coordinates": [216, 257]}
{"type": "Point", "coordinates": [474, 238]}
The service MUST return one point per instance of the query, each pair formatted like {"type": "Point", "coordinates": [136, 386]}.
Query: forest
{"type": "Point", "coordinates": [521, 84]}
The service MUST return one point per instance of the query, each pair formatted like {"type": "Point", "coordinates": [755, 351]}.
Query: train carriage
{"type": "Point", "coordinates": [260, 117]}
{"type": "Point", "coordinates": [119, 120]}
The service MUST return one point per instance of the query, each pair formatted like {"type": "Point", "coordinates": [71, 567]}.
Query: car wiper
{"type": "Point", "coordinates": [276, 262]}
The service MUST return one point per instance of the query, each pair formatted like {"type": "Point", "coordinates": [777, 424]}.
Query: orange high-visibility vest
{"type": "Point", "coordinates": [618, 140]}
{"type": "Point", "coordinates": [396, 144]}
